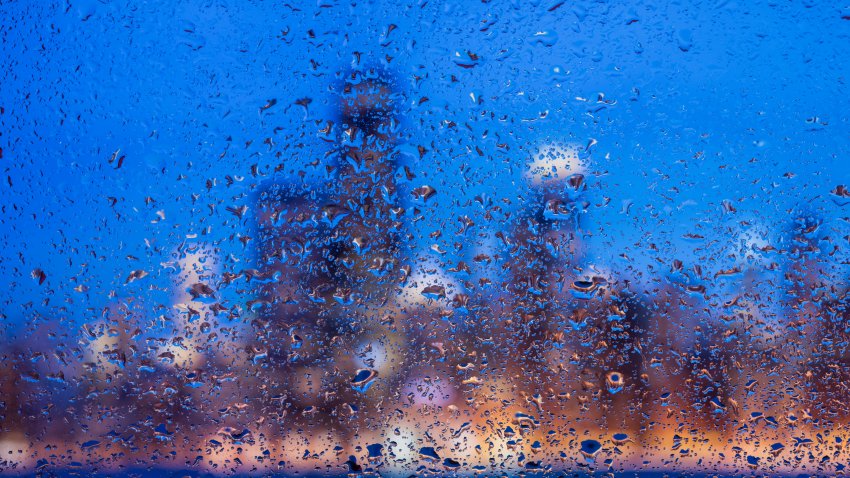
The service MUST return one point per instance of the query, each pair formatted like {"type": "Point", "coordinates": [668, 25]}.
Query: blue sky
{"type": "Point", "coordinates": [715, 101]}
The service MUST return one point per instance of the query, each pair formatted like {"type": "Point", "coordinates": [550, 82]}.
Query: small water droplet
{"type": "Point", "coordinates": [589, 448]}
{"type": "Point", "coordinates": [363, 379]}
{"type": "Point", "coordinates": [620, 438]}
{"type": "Point", "coordinates": [614, 381]}
{"type": "Point", "coordinates": [429, 454]}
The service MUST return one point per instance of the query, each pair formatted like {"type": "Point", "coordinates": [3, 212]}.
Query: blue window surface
{"type": "Point", "coordinates": [424, 238]}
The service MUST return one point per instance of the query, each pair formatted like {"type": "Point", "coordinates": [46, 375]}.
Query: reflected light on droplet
{"type": "Point", "coordinates": [553, 163]}
{"type": "Point", "coordinates": [15, 452]}
{"type": "Point", "coordinates": [426, 275]}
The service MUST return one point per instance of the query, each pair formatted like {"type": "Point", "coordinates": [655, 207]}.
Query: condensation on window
{"type": "Point", "coordinates": [428, 238]}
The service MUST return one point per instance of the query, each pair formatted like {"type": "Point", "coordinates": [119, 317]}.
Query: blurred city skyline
{"type": "Point", "coordinates": [378, 237]}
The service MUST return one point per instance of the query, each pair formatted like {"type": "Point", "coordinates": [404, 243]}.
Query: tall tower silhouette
{"type": "Point", "coordinates": [329, 261]}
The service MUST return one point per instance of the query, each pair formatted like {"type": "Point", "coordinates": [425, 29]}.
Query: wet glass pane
{"type": "Point", "coordinates": [425, 238]}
